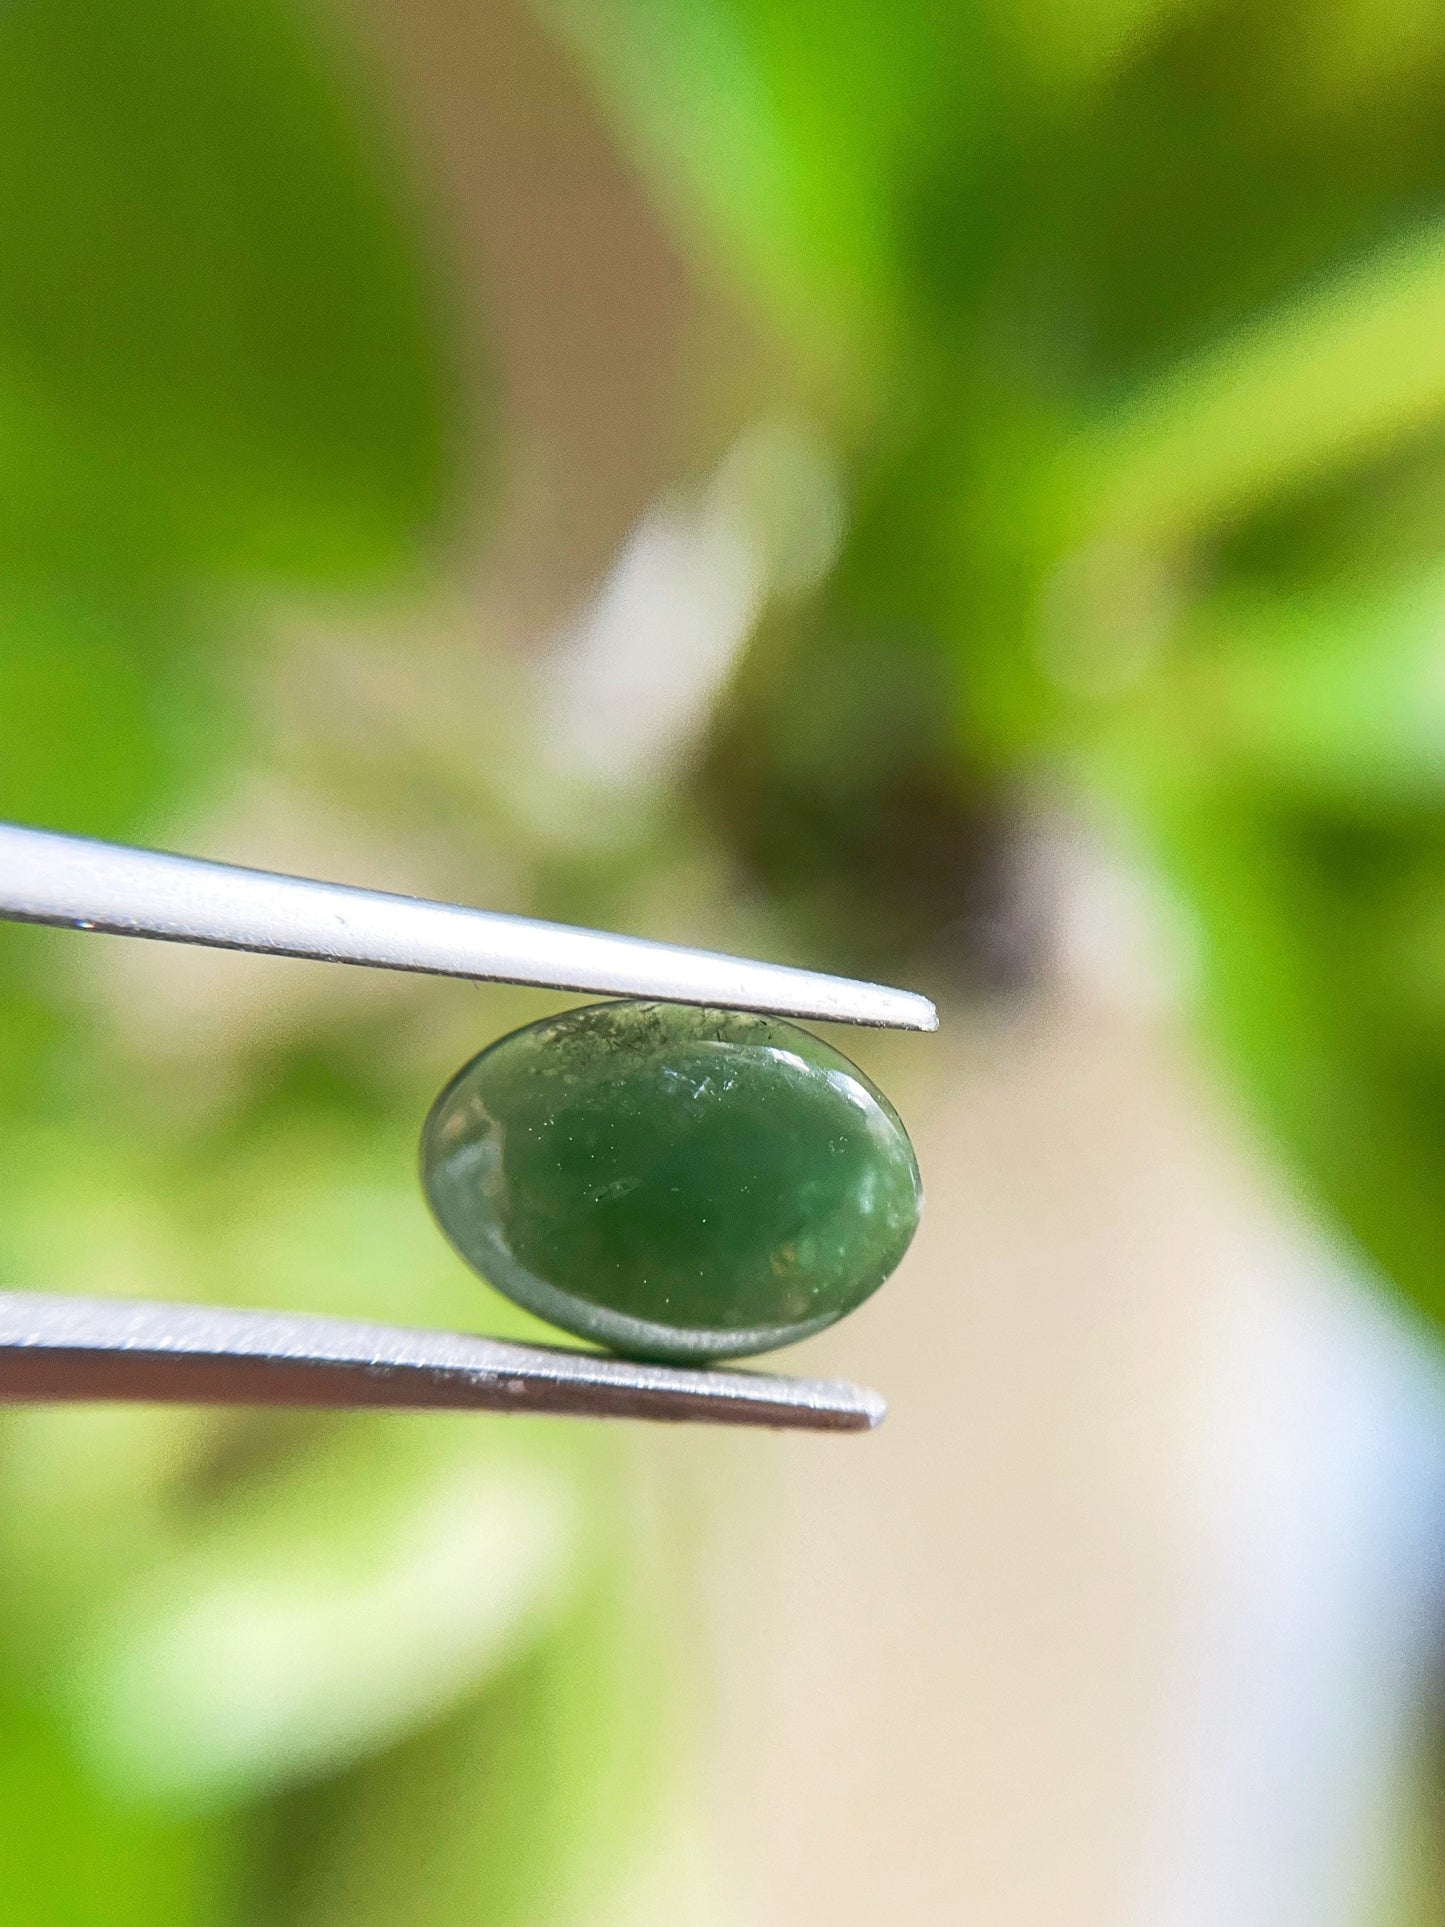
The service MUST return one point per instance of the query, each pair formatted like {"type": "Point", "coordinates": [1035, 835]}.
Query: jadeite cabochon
{"type": "Point", "coordinates": [671, 1182]}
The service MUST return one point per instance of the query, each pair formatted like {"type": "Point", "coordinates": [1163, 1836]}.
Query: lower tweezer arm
{"type": "Point", "coordinates": [56, 1349]}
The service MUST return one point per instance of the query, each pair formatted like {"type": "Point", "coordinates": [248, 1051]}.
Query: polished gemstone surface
{"type": "Point", "coordinates": [671, 1182]}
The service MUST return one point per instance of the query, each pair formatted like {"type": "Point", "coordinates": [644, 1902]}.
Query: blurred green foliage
{"type": "Point", "coordinates": [1130, 320]}
{"type": "Point", "coordinates": [1134, 320]}
{"type": "Point", "coordinates": [215, 349]}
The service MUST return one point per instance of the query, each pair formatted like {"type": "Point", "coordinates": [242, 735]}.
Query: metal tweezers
{"type": "Point", "coordinates": [56, 1348]}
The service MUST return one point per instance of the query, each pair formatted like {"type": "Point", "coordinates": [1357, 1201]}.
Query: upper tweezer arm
{"type": "Point", "coordinates": [82, 884]}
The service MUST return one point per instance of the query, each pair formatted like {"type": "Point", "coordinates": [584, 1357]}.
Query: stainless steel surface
{"type": "Point", "coordinates": [56, 1349]}
{"type": "Point", "coordinates": [85, 885]}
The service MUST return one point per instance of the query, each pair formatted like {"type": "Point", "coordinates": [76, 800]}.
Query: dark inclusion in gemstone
{"type": "Point", "coordinates": [670, 1182]}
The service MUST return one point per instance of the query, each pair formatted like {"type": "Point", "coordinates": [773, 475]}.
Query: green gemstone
{"type": "Point", "coordinates": [673, 1183]}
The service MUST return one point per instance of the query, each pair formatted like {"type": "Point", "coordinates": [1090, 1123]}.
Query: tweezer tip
{"type": "Point", "coordinates": [873, 1406]}
{"type": "Point", "coordinates": [885, 1009]}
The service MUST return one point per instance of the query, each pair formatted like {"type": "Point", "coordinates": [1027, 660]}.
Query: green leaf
{"type": "Point", "coordinates": [1285, 904]}
{"type": "Point", "coordinates": [355, 1596]}
{"type": "Point", "coordinates": [105, 707]}
{"type": "Point", "coordinates": [216, 330]}
{"type": "Point", "coordinates": [72, 1857]}
{"type": "Point", "coordinates": [1331, 699]}
{"type": "Point", "coordinates": [1311, 386]}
